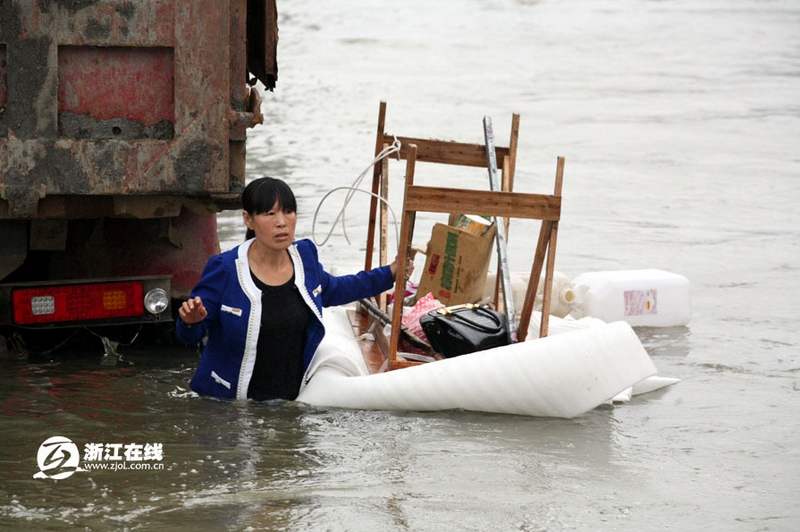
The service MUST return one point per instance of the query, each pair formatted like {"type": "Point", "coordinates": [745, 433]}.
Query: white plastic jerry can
{"type": "Point", "coordinates": [561, 299]}
{"type": "Point", "coordinates": [646, 298]}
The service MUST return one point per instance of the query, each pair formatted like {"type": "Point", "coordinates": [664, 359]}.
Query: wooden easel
{"type": "Point", "coordinates": [505, 203]}
{"type": "Point", "coordinates": [508, 204]}
{"type": "Point", "coordinates": [431, 151]}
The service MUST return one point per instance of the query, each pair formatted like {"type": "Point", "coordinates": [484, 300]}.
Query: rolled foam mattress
{"type": "Point", "coordinates": [559, 376]}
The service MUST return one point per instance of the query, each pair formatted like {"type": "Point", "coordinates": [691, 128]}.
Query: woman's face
{"type": "Point", "coordinates": [274, 228]}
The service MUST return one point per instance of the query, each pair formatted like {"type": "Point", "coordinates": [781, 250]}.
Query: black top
{"type": "Point", "coordinates": [278, 369]}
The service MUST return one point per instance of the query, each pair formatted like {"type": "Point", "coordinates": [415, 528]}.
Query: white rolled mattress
{"type": "Point", "coordinates": [563, 375]}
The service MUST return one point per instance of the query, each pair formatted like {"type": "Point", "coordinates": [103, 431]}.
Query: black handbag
{"type": "Point", "coordinates": [463, 329]}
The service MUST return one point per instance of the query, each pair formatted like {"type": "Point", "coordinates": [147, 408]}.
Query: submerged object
{"type": "Point", "coordinates": [648, 298]}
{"type": "Point", "coordinates": [559, 376]}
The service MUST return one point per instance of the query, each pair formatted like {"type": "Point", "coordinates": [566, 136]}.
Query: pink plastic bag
{"type": "Point", "coordinates": [412, 316]}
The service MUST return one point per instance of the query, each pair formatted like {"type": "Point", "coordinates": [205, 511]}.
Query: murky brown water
{"type": "Point", "coordinates": [680, 122]}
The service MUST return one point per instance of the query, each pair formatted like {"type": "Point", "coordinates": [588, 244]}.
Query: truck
{"type": "Point", "coordinates": [122, 133]}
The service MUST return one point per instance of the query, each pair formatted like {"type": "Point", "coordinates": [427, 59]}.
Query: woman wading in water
{"type": "Point", "coordinates": [260, 303]}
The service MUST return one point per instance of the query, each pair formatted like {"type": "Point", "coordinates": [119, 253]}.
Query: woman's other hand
{"type": "Point", "coordinates": [192, 311]}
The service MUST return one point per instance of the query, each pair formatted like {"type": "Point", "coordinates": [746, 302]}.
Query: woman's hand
{"type": "Point", "coordinates": [409, 264]}
{"type": "Point", "coordinates": [192, 311]}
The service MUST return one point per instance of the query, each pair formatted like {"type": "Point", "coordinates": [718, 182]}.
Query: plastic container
{"type": "Point", "coordinates": [560, 302]}
{"type": "Point", "coordinates": [645, 298]}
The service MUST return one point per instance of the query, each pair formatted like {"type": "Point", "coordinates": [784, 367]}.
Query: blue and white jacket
{"type": "Point", "coordinates": [233, 302]}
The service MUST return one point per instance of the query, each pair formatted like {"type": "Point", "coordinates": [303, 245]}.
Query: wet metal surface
{"type": "Point", "coordinates": [115, 82]}
{"type": "Point", "coordinates": [80, 73]}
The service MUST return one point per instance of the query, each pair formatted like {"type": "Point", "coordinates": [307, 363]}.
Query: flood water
{"type": "Point", "coordinates": [680, 124]}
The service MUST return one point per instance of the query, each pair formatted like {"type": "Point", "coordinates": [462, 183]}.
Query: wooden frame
{"type": "Point", "coordinates": [433, 151]}
{"type": "Point", "coordinates": [505, 203]}
{"type": "Point", "coordinates": [509, 204]}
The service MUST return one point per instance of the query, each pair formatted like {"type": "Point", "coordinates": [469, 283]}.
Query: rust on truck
{"type": "Point", "coordinates": [122, 131]}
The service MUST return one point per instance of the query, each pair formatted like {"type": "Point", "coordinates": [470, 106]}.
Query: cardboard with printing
{"type": "Point", "coordinates": [456, 264]}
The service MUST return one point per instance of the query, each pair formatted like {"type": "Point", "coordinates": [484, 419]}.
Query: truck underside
{"type": "Point", "coordinates": [122, 134]}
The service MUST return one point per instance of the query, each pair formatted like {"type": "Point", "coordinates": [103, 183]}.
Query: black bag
{"type": "Point", "coordinates": [463, 329]}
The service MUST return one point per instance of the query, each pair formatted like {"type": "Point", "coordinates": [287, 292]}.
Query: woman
{"type": "Point", "coordinates": [260, 303]}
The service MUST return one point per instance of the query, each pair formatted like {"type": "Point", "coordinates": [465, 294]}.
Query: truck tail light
{"type": "Point", "coordinates": [77, 302]}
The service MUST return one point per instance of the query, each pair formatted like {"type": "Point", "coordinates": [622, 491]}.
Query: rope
{"type": "Point", "coordinates": [352, 189]}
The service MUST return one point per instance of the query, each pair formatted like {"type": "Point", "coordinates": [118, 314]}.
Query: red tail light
{"type": "Point", "coordinates": [77, 302]}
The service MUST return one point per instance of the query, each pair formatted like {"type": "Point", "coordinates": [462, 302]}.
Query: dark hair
{"type": "Point", "coordinates": [260, 195]}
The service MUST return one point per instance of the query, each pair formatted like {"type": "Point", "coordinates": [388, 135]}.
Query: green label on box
{"type": "Point", "coordinates": [450, 248]}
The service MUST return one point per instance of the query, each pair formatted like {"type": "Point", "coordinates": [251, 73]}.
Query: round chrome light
{"type": "Point", "coordinates": [156, 301]}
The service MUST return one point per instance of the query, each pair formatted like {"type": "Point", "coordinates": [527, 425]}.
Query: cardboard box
{"type": "Point", "coordinates": [471, 223]}
{"type": "Point", "coordinates": [456, 264]}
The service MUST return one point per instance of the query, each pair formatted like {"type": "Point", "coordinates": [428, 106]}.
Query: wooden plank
{"type": "Point", "coordinates": [510, 162]}
{"type": "Point", "coordinates": [446, 151]}
{"type": "Point", "coordinates": [559, 176]}
{"type": "Point", "coordinates": [376, 176]}
{"type": "Point", "coordinates": [545, 240]}
{"type": "Point", "coordinates": [507, 186]}
{"type": "Point", "coordinates": [548, 281]}
{"type": "Point", "coordinates": [383, 252]}
{"type": "Point", "coordinates": [514, 204]}
{"type": "Point", "coordinates": [551, 256]}
{"type": "Point", "coordinates": [406, 230]}
{"type": "Point", "coordinates": [533, 280]}
{"type": "Point", "coordinates": [513, 145]}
